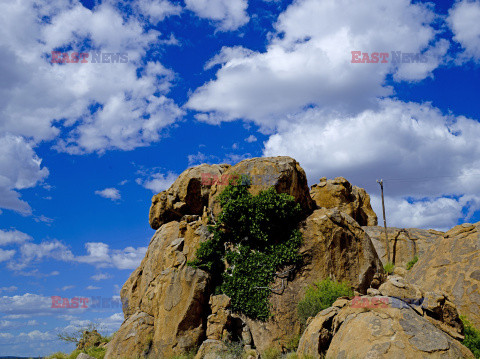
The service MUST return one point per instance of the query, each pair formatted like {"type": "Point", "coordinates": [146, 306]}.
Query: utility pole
{"type": "Point", "coordinates": [385, 222]}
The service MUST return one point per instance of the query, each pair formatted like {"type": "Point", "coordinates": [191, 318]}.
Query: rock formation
{"type": "Point", "coordinates": [165, 299]}
{"type": "Point", "coordinates": [170, 307]}
{"type": "Point", "coordinates": [398, 321]}
{"type": "Point", "coordinates": [352, 200]}
{"type": "Point", "coordinates": [187, 195]}
{"type": "Point", "coordinates": [283, 173]}
{"type": "Point", "coordinates": [452, 266]}
{"type": "Point", "coordinates": [406, 245]}
{"type": "Point", "coordinates": [335, 246]}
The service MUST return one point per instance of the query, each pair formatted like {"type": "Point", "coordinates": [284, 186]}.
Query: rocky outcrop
{"type": "Point", "coordinates": [406, 243]}
{"type": "Point", "coordinates": [335, 246]}
{"type": "Point", "coordinates": [187, 195]}
{"type": "Point", "coordinates": [384, 326]}
{"type": "Point", "coordinates": [352, 200]}
{"type": "Point", "coordinates": [283, 173]}
{"type": "Point", "coordinates": [452, 266]}
{"type": "Point", "coordinates": [165, 299]}
{"type": "Point", "coordinates": [168, 304]}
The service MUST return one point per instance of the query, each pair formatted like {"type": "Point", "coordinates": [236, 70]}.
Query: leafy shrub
{"type": "Point", "coordinates": [389, 267]}
{"type": "Point", "coordinates": [272, 353]}
{"type": "Point", "coordinates": [320, 296]}
{"type": "Point", "coordinates": [412, 262]}
{"type": "Point", "coordinates": [293, 342]}
{"type": "Point", "coordinates": [253, 237]}
{"type": "Point", "coordinates": [472, 337]}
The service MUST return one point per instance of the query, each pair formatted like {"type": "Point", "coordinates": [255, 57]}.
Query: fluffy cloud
{"type": "Point", "coordinates": [157, 10]}
{"type": "Point", "coordinates": [99, 106]}
{"type": "Point", "coordinates": [13, 237]}
{"type": "Point", "coordinates": [101, 276]}
{"type": "Point", "coordinates": [6, 255]}
{"type": "Point", "coordinates": [308, 61]}
{"type": "Point", "coordinates": [26, 305]}
{"type": "Point", "coordinates": [100, 255]}
{"type": "Point", "coordinates": [20, 168]}
{"type": "Point", "coordinates": [429, 161]}
{"type": "Point", "coordinates": [463, 20]}
{"type": "Point", "coordinates": [158, 182]}
{"type": "Point", "coordinates": [110, 193]}
{"type": "Point", "coordinates": [227, 14]}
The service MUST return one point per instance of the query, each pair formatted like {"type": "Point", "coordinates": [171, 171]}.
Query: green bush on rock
{"type": "Point", "coordinates": [472, 337]}
{"type": "Point", "coordinates": [320, 296]}
{"type": "Point", "coordinates": [253, 238]}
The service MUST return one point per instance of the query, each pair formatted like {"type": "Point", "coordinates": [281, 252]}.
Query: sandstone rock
{"type": "Point", "coordinates": [168, 292]}
{"type": "Point", "coordinates": [335, 246]}
{"type": "Point", "coordinates": [408, 245]}
{"type": "Point", "coordinates": [89, 339]}
{"type": "Point", "coordinates": [318, 334]}
{"type": "Point", "coordinates": [452, 267]}
{"type": "Point", "coordinates": [134, 338]}
{"type": "Point", "coordinates": [381, 331]}
{"type": "Point", "coordinates": [283, 173]}
{"type": "Point", "coordinates": [219, 322]}
{"type": "Point", "coordinates": [397, 287]}
{"type": "Point", "coordinates": [186, 196]}
{"type": "Point", "coordinates": [211, 349]}
{"type": "Point", "coordinates": [84, 356]}
{"type": "Point", "coordinates": [352, 200]}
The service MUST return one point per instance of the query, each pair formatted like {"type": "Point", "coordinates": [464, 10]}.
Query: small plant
{"type": "Point", "coordinates": [254, 238]}
{"type": "Point", "coordinates": [412, 262]}
{"type": "Point", "coordinates": [472, 337]}
{"type": "Point", "coordinates": [389, 267]}
{"type": "Point", "coordinates": [320, 296]}
{"type": "Point", "coordinates": [293, 342]}
{"type": "Point", "coordinates": [272, 353]}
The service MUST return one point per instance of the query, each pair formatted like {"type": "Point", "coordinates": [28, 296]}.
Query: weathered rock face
{"type": "Point", "coordinates": [377, 327]}
{"type": "Point", "coordinates": [334, 245]}
{"type": "Point", "coordinates": [165, 300]}
{"type": "Point", "coordinates": [187, 195]}
{"type": "Point", "coordinates": [413, 242]}
{"type": "Point", "coordinates": [283, 173]}
{"type": "Point", "coordinates": [352, 200]}
{"type": "Point", "coordinates": [452, 266]}
{"type": "Point", "coordinates": [167, 309]}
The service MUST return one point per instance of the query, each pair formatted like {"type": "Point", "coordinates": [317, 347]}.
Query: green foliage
{"type": "Point", "coordinates": [472, 337]}
{"type": "Point", "coordinates": [272, 353]}
{"type": "Point", "coordinates": [292, 344]}
{"type": "Point", "coordinates": [254, 236]}
{"type": "Point", "coordinates": [98, 353]}
{"type": "Point", "coordinates": [188, 355]}
{"type": "Point", "coordinates": [320, 296]}
{"type": "Point", "coordinates": [412, 262]}
{"type": "Point", "coordinates": [389, 267]}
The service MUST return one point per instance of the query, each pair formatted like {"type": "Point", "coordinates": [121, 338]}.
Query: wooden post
{"type": "Point", "coordinates": [387, 247]}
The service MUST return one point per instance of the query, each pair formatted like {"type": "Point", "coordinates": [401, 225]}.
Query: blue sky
{"type": "Point", "coordinates": [83, 147]}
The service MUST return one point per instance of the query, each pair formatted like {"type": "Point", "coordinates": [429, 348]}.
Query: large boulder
{"type": "Point", "coordinates": [352, 200]}
{"type": "Point", "coordinates": [405, 243]}
{"type": "Point", "coordinates": [283, 173]}
{"type": "Point", "coordinates": [187, 195]}
{"type": "Point", "coordinates": [164, 298]}
{"type": "Point", "coordinates": [452, 266]}
{"type": "Point", "coordinates": [334, 246]}
{"type": "Point", "coordinates": [377, 327]}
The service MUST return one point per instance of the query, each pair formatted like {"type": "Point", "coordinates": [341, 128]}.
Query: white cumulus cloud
{"type": "Point", "coordinates": [227, 14]}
